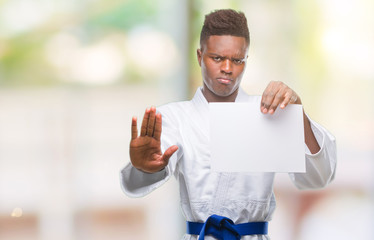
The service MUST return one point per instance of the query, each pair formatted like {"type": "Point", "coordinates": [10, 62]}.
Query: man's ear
{"type": "Point", "coordinates": [199, 53]}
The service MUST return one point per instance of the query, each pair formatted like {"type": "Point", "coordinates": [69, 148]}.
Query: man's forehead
{"type": "Point", "coordinates": [226, 44]}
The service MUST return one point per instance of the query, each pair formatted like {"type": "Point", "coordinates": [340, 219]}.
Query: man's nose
{"type": "Point", "coordinates": [226, 66]}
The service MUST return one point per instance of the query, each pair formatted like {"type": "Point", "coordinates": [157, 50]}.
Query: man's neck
{"type": "Point", "coordinates": [211, 97]}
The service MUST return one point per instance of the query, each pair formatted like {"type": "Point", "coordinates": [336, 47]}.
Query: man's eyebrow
{"type": "Point", "coordinates": [219, 55]}
{"type": "Point", "coordinates": [215, 54]}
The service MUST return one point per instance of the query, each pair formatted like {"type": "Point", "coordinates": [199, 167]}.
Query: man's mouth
{"type": "Point", "coordinates": [224, 80]}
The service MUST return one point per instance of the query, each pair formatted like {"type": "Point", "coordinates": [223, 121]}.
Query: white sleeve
{"type": "Point", "coordinates": [321, 166]}
{"type": "Point", "coordinates": [136, 183]}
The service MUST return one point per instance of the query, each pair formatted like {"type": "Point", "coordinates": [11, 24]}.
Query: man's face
{"type": "Point", "coordinates": [222, 60]}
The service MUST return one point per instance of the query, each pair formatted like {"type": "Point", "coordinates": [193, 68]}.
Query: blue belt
{"type": "Point", "coordinates": [224, 228]}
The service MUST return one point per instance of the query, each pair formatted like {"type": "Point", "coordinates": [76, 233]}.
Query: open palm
{"type": "Point", "coordinates": [145, 149]}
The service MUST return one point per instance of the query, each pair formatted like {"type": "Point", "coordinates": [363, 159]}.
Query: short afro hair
{"type": "Point", "coordinates": [224, 22]}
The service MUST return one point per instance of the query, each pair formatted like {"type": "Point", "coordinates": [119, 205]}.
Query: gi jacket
{"type": "Point", "coordinates": [242, 197]}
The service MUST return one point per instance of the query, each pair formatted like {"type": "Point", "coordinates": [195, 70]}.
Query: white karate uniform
{"type": "Point", "coordinates": [242, 197]}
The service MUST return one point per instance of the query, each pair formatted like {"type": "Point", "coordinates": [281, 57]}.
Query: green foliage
{"type": "Point", "coordinates": [22, 57]}
{"type": "Point", "coordinates": [125, 15]}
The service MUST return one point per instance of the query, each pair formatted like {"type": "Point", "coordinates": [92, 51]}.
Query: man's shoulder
{"type": "Point", "coordinates": [174, 113]}
{"type": "Point", "coordinates": [174, 108]}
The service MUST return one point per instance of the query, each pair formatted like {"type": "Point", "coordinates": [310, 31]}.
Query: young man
{"type": "Point", "coordinates": [175, 141]}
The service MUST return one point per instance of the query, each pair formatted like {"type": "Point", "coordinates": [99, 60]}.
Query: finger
{"type": "Point", "coordinates": [265, 102]}
{"type": "Point", "coordinates": [158, 127]}
{"type": "Point", "coordinates": [143, 130]}
{"type": "Point", "coordinates": [268, 96]}
{"type": "Point", "coordinates": [276, 101]}
{"type": "Point", "coordinates": [158, 165]}
{"type": "Point", "coordinates": [169, 152]}
{"type": "Point", "coordinates": [282, 92]}
{"type": "Point", "coordinates": [287, 99]}
{"type": "Point", "coordinates": [295, 99]}
{"type": "Point", "coordinates": [134, 128]}
{"type": "Point", "coordinates": [151, 122]}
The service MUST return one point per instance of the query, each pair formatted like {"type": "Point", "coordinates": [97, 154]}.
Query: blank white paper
{"type": "Point", "coordinates": [242, 139]}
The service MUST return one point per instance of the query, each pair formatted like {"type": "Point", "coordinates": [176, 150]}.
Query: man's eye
{"type": "Point", "coordinates": [238, 61]}
{"type": "Point", "coordinates": [217, 59]}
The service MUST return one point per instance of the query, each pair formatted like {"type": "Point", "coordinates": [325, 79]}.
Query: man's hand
{"type": "Point", "coordinates": [145, 150]}
{"type": "Point", "coordinates": [278, 93]}
{"type": "Point", "coordinates": [275, 94]}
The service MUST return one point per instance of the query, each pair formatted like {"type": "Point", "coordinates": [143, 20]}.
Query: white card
{"type": "Point", "coordinates": [242, 139]}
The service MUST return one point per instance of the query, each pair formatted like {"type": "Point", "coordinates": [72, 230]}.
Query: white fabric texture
{"type": "Point", "coordinates": [242, 197]}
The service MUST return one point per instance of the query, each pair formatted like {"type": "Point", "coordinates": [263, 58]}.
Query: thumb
{"type": "Point", "coordinates": [169, 152]}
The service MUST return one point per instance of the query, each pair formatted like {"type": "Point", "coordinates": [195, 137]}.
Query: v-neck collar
{"type": "Point", "coordinates": [200, 100]}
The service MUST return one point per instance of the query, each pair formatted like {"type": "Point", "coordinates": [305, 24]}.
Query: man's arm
{"type": "Point", "coordinates": [320, 166]}
{"type": "Point", "coordinates": [149, 168]}
{"type": "Point", "coordinates": [310, 139]}
{"type": "Point", "coordinates": [321, 153]}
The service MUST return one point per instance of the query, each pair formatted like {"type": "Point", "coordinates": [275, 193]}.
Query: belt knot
{"type": "Point", "coordinates": [224, 228]}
